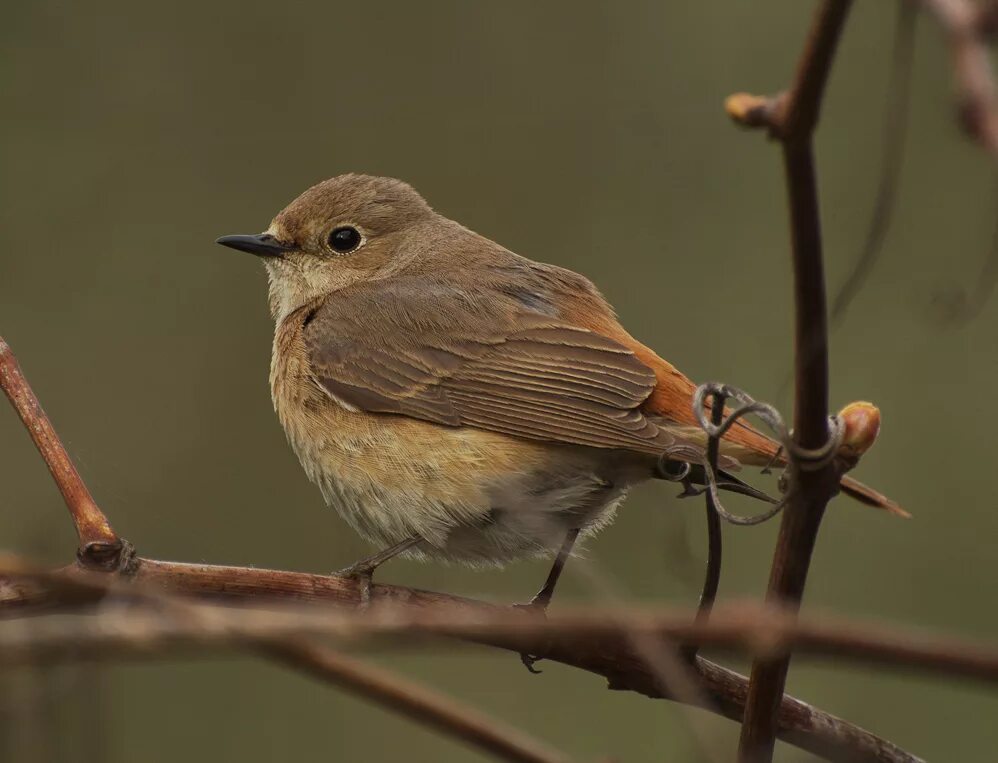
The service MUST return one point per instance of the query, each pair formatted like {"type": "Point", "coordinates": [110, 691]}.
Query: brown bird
{"type": "Point", "coordinates": [453, 399]}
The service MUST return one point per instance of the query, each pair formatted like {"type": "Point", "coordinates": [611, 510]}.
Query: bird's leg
{"type": "Point", "coordinates": [363, 571]}
{"type": "Point", "coordinates": [539, 604]}
{"type": "Point", "coordinates": [543, 597]}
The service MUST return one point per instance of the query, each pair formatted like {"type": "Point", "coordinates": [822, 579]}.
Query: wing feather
{"type": "Point", "coordinates": [419, 347]}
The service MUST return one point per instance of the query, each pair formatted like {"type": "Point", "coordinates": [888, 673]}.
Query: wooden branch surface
{"type": "Point", "coordinates": [812, 484]}
{"type": "Point", "coordinates": [601, 643]}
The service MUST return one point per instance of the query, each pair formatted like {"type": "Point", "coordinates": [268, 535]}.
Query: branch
{"type": "Point", "coordinates": [258, 605]}
{"type": "Point", "coordinates": [792, 118]}
{"type": "Point", "coordinates": [969, 27]}
{"type": "Point", "coordinates": [599, 643]}
{"type": "Point", "coordinates": [99, 545]}
{"type": "Point", "coordinates": [153, 620]}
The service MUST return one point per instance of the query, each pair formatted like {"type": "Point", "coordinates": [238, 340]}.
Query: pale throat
{"type": "Point", "coordinates": [299, 282]}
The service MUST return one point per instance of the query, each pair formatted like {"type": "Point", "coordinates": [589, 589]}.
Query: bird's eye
{"type": "Point", "coordinates": [345, 239]}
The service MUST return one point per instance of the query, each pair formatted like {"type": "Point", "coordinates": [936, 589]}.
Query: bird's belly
{"type": "Point", "coordinates": [474, 496]}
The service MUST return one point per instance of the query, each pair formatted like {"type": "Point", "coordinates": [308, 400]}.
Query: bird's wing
{"type": "Point", "coordinates": [499, 359]}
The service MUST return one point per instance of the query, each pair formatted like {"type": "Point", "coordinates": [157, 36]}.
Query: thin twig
{"type": "Point", "coordinates": [413, 701]}
{"type": "Point", "coordinates": [793, 121]}
{"type": "Point", "coordinates": [99, 545]}
{"type": "Point", "coordinates": [712, 576]}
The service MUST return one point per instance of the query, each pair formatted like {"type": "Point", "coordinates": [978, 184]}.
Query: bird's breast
{"type": "Point", "coordinates": [373, 466]}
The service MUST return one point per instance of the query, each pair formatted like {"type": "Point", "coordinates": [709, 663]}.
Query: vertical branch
{"type": "Point", "coordinates": [800, 111]}
{"type": "Point", "coordinates": [811, 325]}
{"type": "Point", "coordinates": [792, 118]}
{"type": "Point", "coordinates": [99, 545]}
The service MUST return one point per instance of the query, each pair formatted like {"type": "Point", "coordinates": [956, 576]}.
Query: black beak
{"type": "Point", "coordinates": [263, 244]}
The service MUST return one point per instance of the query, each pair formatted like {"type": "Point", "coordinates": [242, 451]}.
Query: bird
{"type": "Point", "coordinates": [454, 400]}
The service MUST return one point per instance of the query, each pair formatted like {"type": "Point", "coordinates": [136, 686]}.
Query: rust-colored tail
{"type": "Point", "coordinates": [753, 447]}
{"type": "Point", "coordinates": [871, 497]}
{"type": "Point", "coordinates": [672, 399]}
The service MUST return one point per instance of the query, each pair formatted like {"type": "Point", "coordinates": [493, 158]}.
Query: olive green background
{"type": "Point", "coordinates": [590, 135]}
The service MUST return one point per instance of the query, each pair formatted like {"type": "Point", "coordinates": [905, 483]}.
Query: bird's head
{"type": "Point", "coordinates": [344, 230]}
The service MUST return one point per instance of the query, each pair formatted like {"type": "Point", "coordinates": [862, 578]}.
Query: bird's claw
{"type": "Point", "coordinates": [689, 491]}
{"type": "Point", "coordinates": [529, 660]}
{"type": "Point", "coordinates": [536, 607]}
{"type": "Point", "coordinates": [364, 575]}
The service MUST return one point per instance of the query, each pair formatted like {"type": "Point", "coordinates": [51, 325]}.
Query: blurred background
{"type": "Point", "coordinates": [590, 135]}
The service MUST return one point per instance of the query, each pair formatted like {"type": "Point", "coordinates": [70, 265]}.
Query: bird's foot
{"type": "Point", "coordinates": [363, 571]}
{"type": "Point", "coordinates": [536, 607]}
{"type": "Point", "coordinates": [364, 575]}
{"type": "Point", "coordinates": [689, 491]}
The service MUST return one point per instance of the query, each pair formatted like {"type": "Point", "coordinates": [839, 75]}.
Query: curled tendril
{"type": "Point", "coordinates": [674, 470]}
{"type": "Point", "coordinates": [738, 519]}
{"type": "Point", "coordinates": [807, 459]}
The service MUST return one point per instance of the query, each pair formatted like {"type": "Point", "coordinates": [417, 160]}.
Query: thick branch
{"type": "Point", "coordinates": [259, 603]}
{"type": "Point", "coordinates": [603, 645]}
{"type": "Point", "coordinates": [812, 487]}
